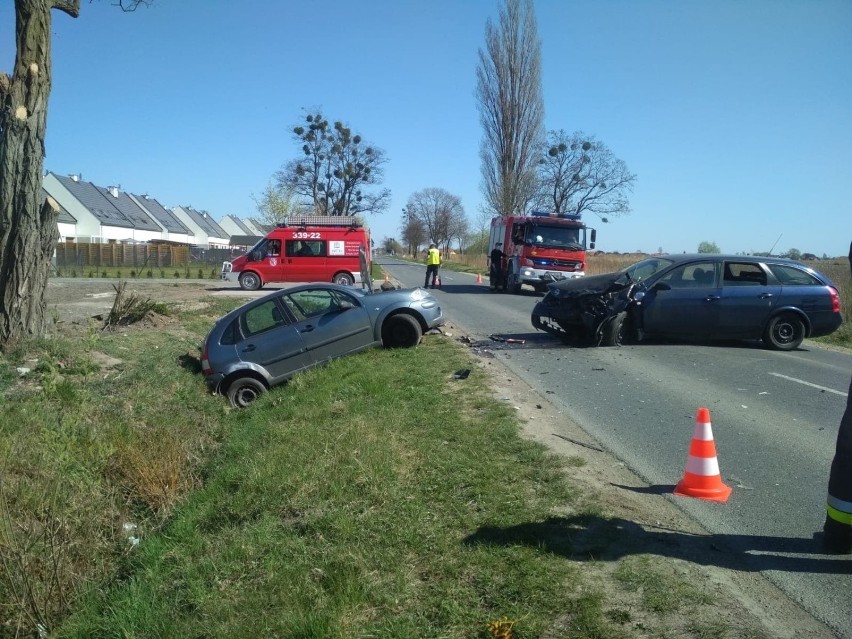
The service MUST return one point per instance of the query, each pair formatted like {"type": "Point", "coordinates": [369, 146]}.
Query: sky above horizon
{"type": "Point", "coordinates": [735, 115]}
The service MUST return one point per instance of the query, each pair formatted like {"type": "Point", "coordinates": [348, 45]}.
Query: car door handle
{"type": "Point", "coordinates": [712, 298]}
{"type": "Point", "coordinates": [249, 348]}
{"type": "Point", "coordinates": [306, 329]}
{"type": "Point", "coordinates": [766, 296]}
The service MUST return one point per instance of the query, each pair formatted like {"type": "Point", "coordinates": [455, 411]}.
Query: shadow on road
{"type": "Point", "coordinates": [593, 538]}
{"type": "Point", "coordinates": [483, 289]}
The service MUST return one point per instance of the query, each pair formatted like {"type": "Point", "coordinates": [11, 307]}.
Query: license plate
{"type": "Point", "coordinates": [554, 274]}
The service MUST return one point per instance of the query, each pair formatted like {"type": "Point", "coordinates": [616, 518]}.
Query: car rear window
{"type": "Point", "coordinates": [792, 276]}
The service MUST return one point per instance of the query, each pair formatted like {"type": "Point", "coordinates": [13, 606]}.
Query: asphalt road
{"type": "Point", "coordinates": [774, 418]}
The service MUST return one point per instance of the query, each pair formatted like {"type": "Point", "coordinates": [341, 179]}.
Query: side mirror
{"type": "Point", "coordinates": [345, 305]}
{"type": "Point", "coordinates": [254, 256]}
{"type": "Point", "coordinates": [593, 238]}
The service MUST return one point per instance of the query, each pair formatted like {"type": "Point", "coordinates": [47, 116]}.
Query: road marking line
{"type": "Point", "coordinates": [801, 381]}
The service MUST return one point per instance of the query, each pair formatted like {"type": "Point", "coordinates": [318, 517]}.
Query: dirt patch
{"type": "Point", "coordinates": [80, 305]}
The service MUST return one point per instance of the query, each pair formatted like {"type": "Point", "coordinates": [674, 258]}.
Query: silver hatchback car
{"type": "Point", "coordinates": [268, 340]}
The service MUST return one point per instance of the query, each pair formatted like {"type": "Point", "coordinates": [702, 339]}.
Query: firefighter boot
{"type": "Point", "coordinates": [837, 537]}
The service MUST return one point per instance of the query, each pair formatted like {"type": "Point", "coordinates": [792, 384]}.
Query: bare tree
{"type": "Point", "coordinates": [28, 230]}
{"type": "Point", "coordinates": [335, 169]}
{"type": "Point", "coordinates": [413, 231]}
{"type": "Point", "coordinates": [577, 173]}
{"type": "Point", "coordinates": [441, 213]}
{"type": "Point", "coordinates": [511, 108]}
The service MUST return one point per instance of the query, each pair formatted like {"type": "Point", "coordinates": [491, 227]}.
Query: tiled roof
{"type": "Point", "coordinates": [240, 224]}
{"type": "Point", "coordinates": [129, 209]}
{"type": "Point", "coordinates": [205, 221]}
{"type": "Point", "coordinates": [161, 214]}
{"type": "Point", "coordinates": [245, 240]}
{"type": "Point", "coordinates": [89, 196]}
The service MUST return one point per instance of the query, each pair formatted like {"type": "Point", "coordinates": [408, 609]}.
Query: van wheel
{"type": "Point", "coordinates": [250, 281]}
{"type": "Point", "coordinates": [784, 332]}
{"type": "Point", "coordinates": [344, 279]}
{"type": "Point", "coordinates": [401, 331]}
{"type": "Point", "coordinates": [244, 390]}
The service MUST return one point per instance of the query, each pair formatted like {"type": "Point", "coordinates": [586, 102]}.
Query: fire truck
{"type": "Point", "coordinates": [539, 248]}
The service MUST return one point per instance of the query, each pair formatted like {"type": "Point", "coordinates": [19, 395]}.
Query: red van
{"type": "Point", "coordinates": [304, 249]}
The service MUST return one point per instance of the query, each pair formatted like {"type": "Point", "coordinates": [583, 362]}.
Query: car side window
{"type": "Point", "coordinates": [743, 274]}
{"type": "Point", "coordinates": [792, 276]}
{"type": "Point", "coordinates": [261, 318]}
{"type": "Point", "coordinates": [230, 335]}
{"type": "Point", "coordinates": [694, 275]}
{"type": "Point", "coordinates": [305, 248]}
{"type": "Point", "coordinates": [311, 303]}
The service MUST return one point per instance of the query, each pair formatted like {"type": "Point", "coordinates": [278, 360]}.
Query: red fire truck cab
{"type": "Point", "coordinates": [540, 248]}
{"type": "Point", "coordinates": [303, 249]}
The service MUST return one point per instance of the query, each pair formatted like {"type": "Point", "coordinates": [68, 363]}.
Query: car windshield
{"type": "Point", "coordinates": [646, 268]}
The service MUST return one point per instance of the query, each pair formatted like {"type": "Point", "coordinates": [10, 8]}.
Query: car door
{"type": "Point", "coordinates": [270, 339]}
{"type": "Point", "coordinates": [331, 323]}
{"type": "Point", "coordinates": [749, 294]}
{"type": "Point", "coordinates": [682, 302]}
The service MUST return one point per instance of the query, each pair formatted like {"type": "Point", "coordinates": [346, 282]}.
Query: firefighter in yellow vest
{"type": "Point", "coordinates": [433, 263]}
{"type": "Point", "coordinates": [838, 521]}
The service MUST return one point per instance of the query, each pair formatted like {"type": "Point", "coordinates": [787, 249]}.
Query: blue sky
{"type": "Point", "coordinates": [736, 116]}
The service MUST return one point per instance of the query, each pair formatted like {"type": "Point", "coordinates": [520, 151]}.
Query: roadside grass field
{"type": "Point", "coordinates": [374, 497]}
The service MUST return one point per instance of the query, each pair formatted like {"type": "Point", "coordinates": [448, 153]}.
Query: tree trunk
{"type": "Point", "coordinates": [28, 232]}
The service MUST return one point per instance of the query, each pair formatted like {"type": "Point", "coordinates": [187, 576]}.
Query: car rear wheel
{"type": "Point", "coordinates": [250, 281]}
{"type": "Point", "coordinates": [401, 331]}
{"type": "Point", "coordinates": [616, 330]}
{"type": "Point", "coordinates": [784, 332]}
{"type": "Point", "coordinates": [244, 390]}
{"type": "Point", "coordinates": [344, 279]}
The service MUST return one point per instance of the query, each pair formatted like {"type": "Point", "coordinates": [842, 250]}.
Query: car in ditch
{"type": "Point", "coordinates": [266, 341]}
{"type": "Point", "coordinates": [697, 297]}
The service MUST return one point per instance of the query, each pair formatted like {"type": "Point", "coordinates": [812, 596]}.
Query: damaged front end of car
{"type": "Point", "coordinates": [590, 310]}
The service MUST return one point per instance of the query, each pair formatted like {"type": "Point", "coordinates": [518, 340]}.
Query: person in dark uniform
{"type": "Point", "coordinates": [495, 259]}
{"type": "Point", "coordinates": [837, 530]}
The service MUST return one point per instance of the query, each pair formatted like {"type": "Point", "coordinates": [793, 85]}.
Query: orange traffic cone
{"type": "Point", "coordinates": [438, 281]}
{"type": "Point", "coordinates": [479, 278]}
{"type": "Point", "coordinates": [701, 478]}
{"type": "Point", "coordinates": [387, 279]}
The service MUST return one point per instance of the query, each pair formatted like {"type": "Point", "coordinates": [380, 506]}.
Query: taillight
{"type": "Point", "coordinates": [835, 300]}
{"type": "Point", "coordinates": [205, 363]}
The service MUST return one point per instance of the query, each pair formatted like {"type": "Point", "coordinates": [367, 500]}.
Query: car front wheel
{"type": "Point", "coordinates": [616, 330]}
{"type": "Point", "coordinates": [250, 281]}
{"type": "Point", "coordinates": [784, 332]}
{"type": "Point", "coordinates": [244, 390]}
{"type": "Point", "coordinates": [401, 331]}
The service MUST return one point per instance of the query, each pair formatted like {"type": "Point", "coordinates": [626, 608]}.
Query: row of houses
{"type": "Point", "coordinates": [94, 214]}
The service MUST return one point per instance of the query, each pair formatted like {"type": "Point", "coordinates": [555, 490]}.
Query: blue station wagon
{"type": "Point", "coordinates": [694, 297]}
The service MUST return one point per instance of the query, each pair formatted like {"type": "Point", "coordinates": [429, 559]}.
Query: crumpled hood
{"type": "Point", "coordinates": [590, 283]}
